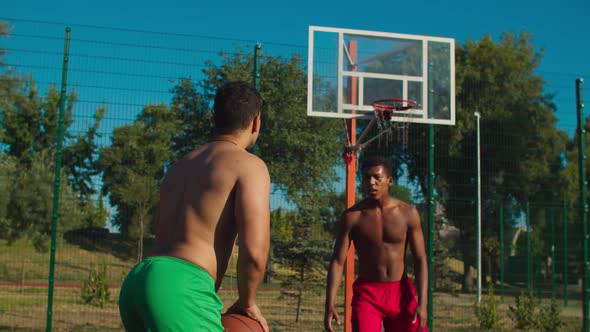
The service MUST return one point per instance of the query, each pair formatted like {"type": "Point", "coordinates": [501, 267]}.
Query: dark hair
{"type": "Point", "coordinates": [372, 161]}
{"type": "Point", "coordinates": [236, 105]}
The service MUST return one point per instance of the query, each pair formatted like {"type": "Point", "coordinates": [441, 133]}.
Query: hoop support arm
{"type": "Point", "coordinates": [362, 145]}
{"type": "Point", "coordinates": [366, 131]}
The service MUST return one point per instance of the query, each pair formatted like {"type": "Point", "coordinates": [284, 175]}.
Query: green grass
{"type": "Point", "coordinates": [23, 307]}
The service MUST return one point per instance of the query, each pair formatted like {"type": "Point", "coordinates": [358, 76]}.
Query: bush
{"type": "Point", "coordinates": [524, 314]}
{"type": "Point", "coordinates": [550, 318]}
{"type": "Point", "coordinates": [95, 287]}
{"type": "Point", "coordinates": [487, 313]}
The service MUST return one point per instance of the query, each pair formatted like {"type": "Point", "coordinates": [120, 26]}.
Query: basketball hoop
{"type": "Point", "coordinates": [384, 110]}
{"type": "Point", "coordinates": [393, 104]}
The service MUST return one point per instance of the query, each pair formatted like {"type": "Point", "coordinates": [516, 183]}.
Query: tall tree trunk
{"type": "Point", "coordinates": [140, 240]}
{"type": "Point", "coordinates": [468, 261]}
{"type": "Point", "coordinates": [490, 269]}
{"type": "Point", "coordinates": [299, 294]}
{"type": "Point", "coordinates": [268, 274]}
{"type": "Point", "coordinates": [468, 281]}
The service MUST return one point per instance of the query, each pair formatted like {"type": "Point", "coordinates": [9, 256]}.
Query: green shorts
{"type": "Point", "coordinates": [165, 293]}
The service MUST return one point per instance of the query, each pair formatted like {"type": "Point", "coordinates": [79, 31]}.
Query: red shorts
{"type": "Point", "coordinates": [389, 302]}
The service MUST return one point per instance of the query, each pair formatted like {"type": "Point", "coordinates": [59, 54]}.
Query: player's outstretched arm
{"type": "Point", "coordinates": [335, 271]}
{"type": "Point", "coordinates": [252, 213]}
{"type": "Point", "coordinates": [416, 238]}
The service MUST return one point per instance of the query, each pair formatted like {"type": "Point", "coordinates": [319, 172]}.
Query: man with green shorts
{"type": "Point", "coordinates": [217, 192]}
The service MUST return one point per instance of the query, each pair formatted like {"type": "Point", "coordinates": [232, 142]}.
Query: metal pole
{"type": "Point", "coordinates": [257, 56]}
{"type": "Point", "coordinates": [57, 179]}
{"type": "Point", "coordinates": [565, 263]}
{"type": "Point", "coordinates": [584, 201]}
{"type": "Point", "coordinates": [501, 212]}
{"type": "Point", "coordinates": [256, 82]}
{"type": "Point", "coordinates": [552, 220]}
{"type": "Point", "coordinates": [431, 206]}
{"type": "Point", "coordinates": [478, 202]}
{"type": "Point", "coordinates": [350, 197]}
{"type": "Point", "coordinates": [529, 274]}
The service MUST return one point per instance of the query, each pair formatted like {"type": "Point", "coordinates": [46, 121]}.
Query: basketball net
{"type": "Point", "coordinates": [384, 110]}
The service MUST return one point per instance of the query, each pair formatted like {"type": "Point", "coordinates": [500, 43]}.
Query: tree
{"type": "Point", "coordinates": [568, 187]}
{"type": "Point", "coordinates": [30, 121]}
{"type": "Point", "coordinates": [301, 244]}
{"type": "Point", "coordinates": [300, 151]}
{"type": "Point", "coordinates": [80, 158]}
{"type": "Point", "coordinates": [133, 167]}
{"type": "Point", "coordinates": [8, 166]}
{"type": "Point", "coordinates": [29, 127]}
{"type": "Point", "coordinates": [28, 131]}
{"type": "Point", "coordinates": [30, 214]}
{"type": "Point", "coordinates": [520, 144]}
{"type": "Point", "coordinates": [8, 81]}
{"type": "Point", "coordinates": [196, 119]}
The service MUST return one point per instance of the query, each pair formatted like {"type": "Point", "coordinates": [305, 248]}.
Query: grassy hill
{"type": "Point", "coordinates": [23, 280]}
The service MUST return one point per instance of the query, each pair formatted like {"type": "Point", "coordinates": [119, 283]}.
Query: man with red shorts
{"type": "Point", "coordinates": [380, 227]}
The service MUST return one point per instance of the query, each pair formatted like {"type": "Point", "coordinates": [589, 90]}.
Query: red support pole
{"type": "Point", "coordinates": [350, 196]}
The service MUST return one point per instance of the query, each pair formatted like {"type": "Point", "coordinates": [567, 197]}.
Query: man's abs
{"type": "Point", "coordinates": [382, 264]}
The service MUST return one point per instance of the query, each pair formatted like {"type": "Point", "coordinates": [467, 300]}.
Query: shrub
{"type": "Point", "coordinates": [95, 287]}
{"type": "Point", "coordinates": [487, 313]}
{"type": "Point", "coordinates": [524, 314]}
{"type": "Point", "coordinates": [550, 317]}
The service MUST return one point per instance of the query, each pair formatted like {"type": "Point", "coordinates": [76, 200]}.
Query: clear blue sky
{"type": "Point", "coordinates": [559, 27]}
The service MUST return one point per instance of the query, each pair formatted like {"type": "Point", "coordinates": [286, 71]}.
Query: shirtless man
{"type": "Point", "coordinates": [215, 193]}
{"type": "Point", "coordinates": [380, 227]}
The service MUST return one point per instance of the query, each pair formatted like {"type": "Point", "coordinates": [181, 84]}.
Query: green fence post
{"type": "Point", "coordinates": [552, 220]}
{"type": "Point", "coordinates": [565, 276]}
{"type": "Point", "coordinates": [529, 274]}
{"type": "Point", "coordinates": [257, 55]}
{"type": "Point", "coordinates": [501, 214]}
{"type": "Point", "coordinates": [583, 199]}
{"type": "Point", "coordinates": [256, 82]}
{"type": "Point", "coordinates": [478, 204]}
{"type": "Point", "coordinates": [431, 207]}
{"type": "Point", "coordinates": [57, 179]}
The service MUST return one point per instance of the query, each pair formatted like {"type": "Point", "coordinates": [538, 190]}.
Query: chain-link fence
{"type": "Point", "coordinates": [137, 100]}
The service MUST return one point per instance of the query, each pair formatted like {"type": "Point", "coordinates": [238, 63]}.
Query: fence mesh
{"type": "Point", "coordinates": [528, 245]}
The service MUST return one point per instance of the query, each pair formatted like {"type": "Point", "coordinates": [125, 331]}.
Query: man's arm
{"type": "Point", "coordinates": [252, 213]}
{"type": "Point", "coordinates": [335, 270]}
{"type": "Point", "coordinates": [416, 238]}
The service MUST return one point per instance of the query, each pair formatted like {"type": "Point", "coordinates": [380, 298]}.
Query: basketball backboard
{"type": "Point", "coordinates": [349, 69]}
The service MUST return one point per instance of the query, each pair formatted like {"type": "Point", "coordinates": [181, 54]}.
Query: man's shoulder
{"type": "Point", "coordinates": [407, 211]}
{"type": "Point", "coordinates": [356, 208]}
{"type": "Point", "coordinates": [252, 160]}
{"type": "Point", "coordinates": [402, 206]}
{"type": "Point", "coordinates": [247, 166]}
{"type": "Point", "coordinates": [353, 213]}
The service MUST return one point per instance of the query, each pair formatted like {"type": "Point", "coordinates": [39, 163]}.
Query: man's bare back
{"type": "Point", "coordinates": [215, 194]}
{"type": "Point", "coordinates": [380, 235]}
{"type": "Point", "coordinates": [196, 219]}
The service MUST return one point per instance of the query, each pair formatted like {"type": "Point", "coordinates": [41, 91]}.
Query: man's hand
{"type": "Point", "coordinates": [252, 311]}
{"type": "Point", "coordinates": [330, 315]}
{"type": "Point", "coordinates": [422, 315]}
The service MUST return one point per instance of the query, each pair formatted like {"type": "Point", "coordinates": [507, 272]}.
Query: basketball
{"type": "Point", "coordinates": [239, 323]}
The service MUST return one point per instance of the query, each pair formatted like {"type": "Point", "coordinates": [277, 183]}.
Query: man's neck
{"type": "Point", "coordinates": [379, 203]}
{"type": "Point", "coordinates": [236, 140]}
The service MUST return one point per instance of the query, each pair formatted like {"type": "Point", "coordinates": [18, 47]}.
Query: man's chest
{"type": "Point", "coordinates": [380, 228]}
